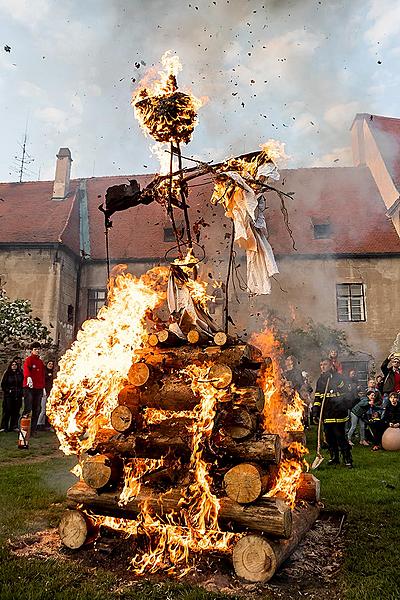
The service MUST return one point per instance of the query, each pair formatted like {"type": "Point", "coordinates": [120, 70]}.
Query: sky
{"type": "Point", "coordinates": [295, 71]}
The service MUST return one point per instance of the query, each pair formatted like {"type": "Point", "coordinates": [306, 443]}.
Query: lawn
{"type": "Point", "coordinates": [32, 493]}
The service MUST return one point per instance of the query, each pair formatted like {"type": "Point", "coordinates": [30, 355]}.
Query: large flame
{"type": "Point", "coordinates": [134, 471]}
{"type": "Point", "coordinates": [283, 414]}
{"type": "Point", "coordinates": [195, 529]}
{"type": "Point", "coordinates": [94, 369]}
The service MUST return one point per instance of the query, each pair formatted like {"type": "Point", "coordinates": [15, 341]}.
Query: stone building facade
{"type": "Point", "coordinates": [343, 271]}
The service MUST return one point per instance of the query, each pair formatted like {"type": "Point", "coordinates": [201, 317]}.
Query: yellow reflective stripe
{"type": "Point", "coordinates": [341, 384]}
{"type": "Point", "coordinates": [343, 420]}
{"type": "Point", "coordinates": [317, 403]}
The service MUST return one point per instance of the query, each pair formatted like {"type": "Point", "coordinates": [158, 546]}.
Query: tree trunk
{"type": "Point", "coordinates": [243, 355]}
{"type": "Point", "coordinates": [167, 339]}
{"type": "Point", "coordinates": [256, 559]}
{"type": "Point", "coordinates": [309, 488]}
{"type": "Point", "coordinates": [245, 483]}
{"type": "Point", "coordinates": [101, 470]}
{"type": "Point", "coordinates": [270, 515]}
{"type": "Point", "coordinates": [197, 337]}
{"type": "Point", "coordinates": [171, 435]}
{"type": "Point", "coordinates": [238, 423]}
{"type": "Point", "coordinates": [266, 449]}
{"type": "Point", "coordinates": [250, 398]}
{"type": "Point", "coordinates": [77, 529]}
{"type": "Point", "coordinates": [171, 393]}
{"type": "Point", "coordinates": [295, 436]}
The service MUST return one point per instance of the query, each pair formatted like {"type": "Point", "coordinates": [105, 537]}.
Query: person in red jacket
{"type": "Point", "coordinates": [34, 382]}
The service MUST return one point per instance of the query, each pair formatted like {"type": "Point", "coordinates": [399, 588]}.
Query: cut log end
{"type": "Point", "coordinates": [122, 419]}
{"type": "Point", "coordinates": [220, 376]}
{"type": "Point", "coordinates": [220, 338]}
{"type": "Point", "coordinates": [76, 529]}
{"type": "Point", "coordinates": [245, 483]}
{"type": "Point", "coordinates": [138, 374]}
{"type": "Point", "coordinates": [100, 471]}
{"type": "Point", "coordinates": [193, 336]}
{"type": "Point", "coordinates": [254, 559]}
{"type": "Point", "coordinates": [152, 340]}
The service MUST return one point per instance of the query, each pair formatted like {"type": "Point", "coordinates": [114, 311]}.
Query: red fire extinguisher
{"type": "Point", "coordinates": [24, 432]}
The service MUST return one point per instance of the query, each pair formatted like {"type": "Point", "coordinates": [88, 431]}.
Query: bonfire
{"type": "Point", "coordinates": [186, 437]}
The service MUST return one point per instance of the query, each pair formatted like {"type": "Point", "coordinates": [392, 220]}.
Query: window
{"type": "Point", "coordinates": [96, 299]}
{"type": "Point", "coordinates": [322, 231]}
{"type": "Point", "coordinates": [169, 235]}
{"type": "Point", "coordinates": [350, 302]}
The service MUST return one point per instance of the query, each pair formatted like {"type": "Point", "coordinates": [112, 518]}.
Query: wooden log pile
{"type": "Point", "coordinates": [144, 457]}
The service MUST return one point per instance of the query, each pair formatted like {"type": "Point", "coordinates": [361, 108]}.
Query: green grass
{"type": "Point", "coordinates": [32, 497]}
{"type": "Point", "coordinates": [369, 494]}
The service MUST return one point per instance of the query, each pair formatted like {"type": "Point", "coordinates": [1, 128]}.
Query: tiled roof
{"type": "Point", "coordinates": [346, 198]}
{"type": "Point", "coordinates": [29, 215]}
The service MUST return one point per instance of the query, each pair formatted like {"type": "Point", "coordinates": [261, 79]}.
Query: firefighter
{"type": "Point", "coordinates": [335, 412]}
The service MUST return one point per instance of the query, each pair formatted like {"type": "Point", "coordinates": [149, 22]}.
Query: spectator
{"type": "Point", "coordinates": [391, 372]}
{"type": "Point", "coordinates": [375, 424]}
{"type": "Point", "coordinates": [336, 365]}
{"type": "Point", "coordinates": [357, 414]}
{"type": "Point", "coordinates": [334, 412]}
{"type": "Point", "coordinates": [352, 383]}
{"type": "Point", "coordinates": [292, 373]}
{"type": "Point", "coordinates": [11, 384]}
{"type": "Point", "coordinates": [19, 361]}
{"type": "Point", "coordinates": [43, 421]}
{"type": "Point", "coordinates": [34, 381]}
{"type": "Point", "coordinates": [371, 383]}
{"type": "Point", "coordinates": [392, 412]}
{"type": "Point", "coordinates": [379, 383]}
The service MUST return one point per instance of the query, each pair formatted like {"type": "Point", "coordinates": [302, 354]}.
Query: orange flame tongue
{"type": "Point", "coordinates": [94, 369]}
{"type": "Point", "coordinates": [283, 413]}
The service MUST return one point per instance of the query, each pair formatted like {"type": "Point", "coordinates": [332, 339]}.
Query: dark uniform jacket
{"type": "Point", "coordinates": [336, 403]}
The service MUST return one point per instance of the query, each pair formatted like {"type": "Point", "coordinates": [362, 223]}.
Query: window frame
{"type": "Point", "coordinates": [352, 307]}
{"type": "Point", "coordinates": [328, 230]}
{"type": "Point", "coordinates": [95, 301]}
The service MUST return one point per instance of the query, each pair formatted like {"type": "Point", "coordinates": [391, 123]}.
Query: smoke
{"type": "Point", "coordinates": [290, 70]}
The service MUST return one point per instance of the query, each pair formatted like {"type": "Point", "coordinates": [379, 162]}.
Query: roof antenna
{"type": "Point", "coordinates": [24, 158]}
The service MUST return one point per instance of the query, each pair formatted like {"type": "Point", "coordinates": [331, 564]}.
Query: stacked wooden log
{"type": "Point", "coordinates": [152, 427]}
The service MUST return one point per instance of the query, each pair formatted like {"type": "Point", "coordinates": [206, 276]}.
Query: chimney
{"type": "Point", "coordinates": [62, 176]}
{"type": "Point", "coordinates": [358, 139]}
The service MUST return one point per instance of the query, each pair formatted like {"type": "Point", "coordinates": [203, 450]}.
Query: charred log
{"type": "Point", "coordinates": [269, 515]}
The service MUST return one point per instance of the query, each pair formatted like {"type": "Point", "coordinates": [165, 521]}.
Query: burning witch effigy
{"type": "Point", "coordinates": [187, 438]}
